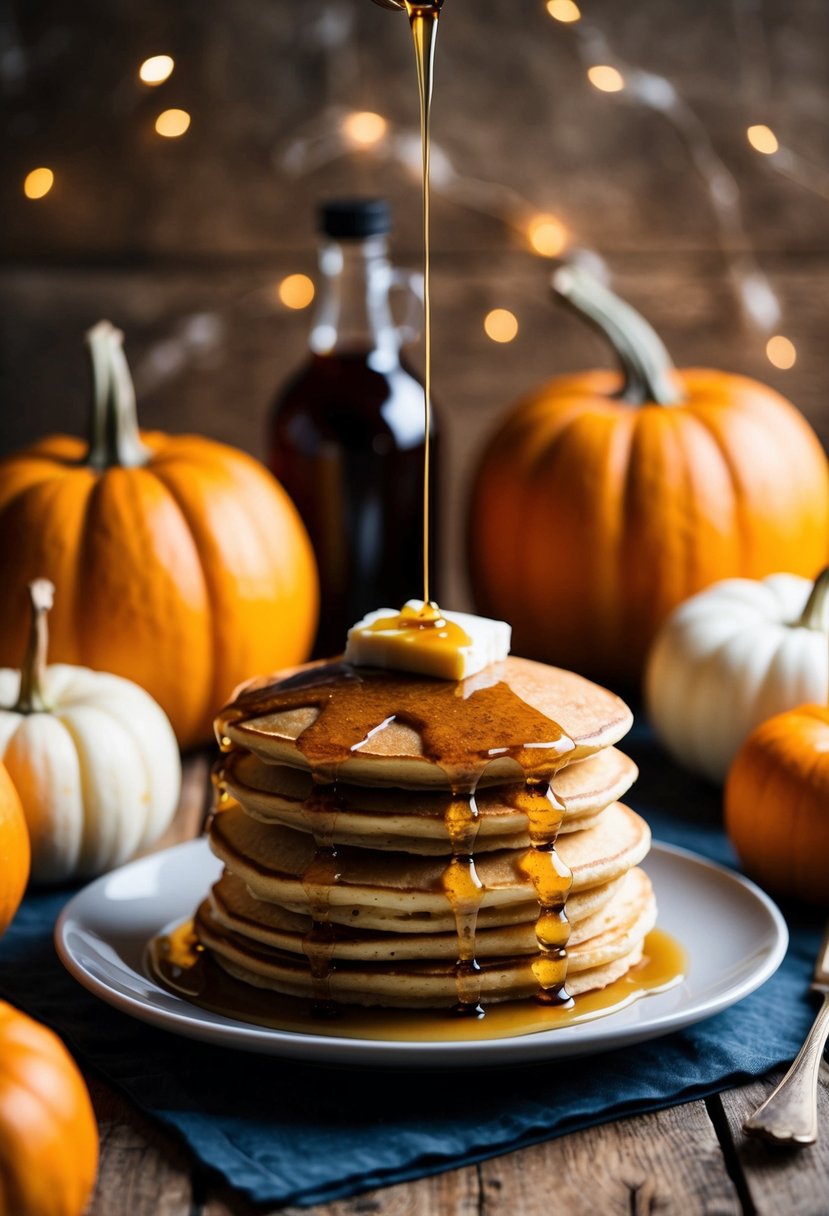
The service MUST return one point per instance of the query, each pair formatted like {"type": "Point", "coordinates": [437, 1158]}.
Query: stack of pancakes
{"type": "Point", "coordinates": [339, 831]}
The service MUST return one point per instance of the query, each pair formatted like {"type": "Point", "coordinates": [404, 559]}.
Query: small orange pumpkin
{"type": "Point", "coordinates": [15, 853]}
{"type": "Point", "coordinates": [182, 564]}
{"type": "Point", "coordinates": [604, 501]}
{"type": "Point", "coordinates": [777, 804]}
{"type": "Point", "coordinates": [48, 1133]}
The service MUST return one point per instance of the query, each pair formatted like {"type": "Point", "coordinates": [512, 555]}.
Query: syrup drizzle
{"type": "Point", "coordinates": [423, 19]}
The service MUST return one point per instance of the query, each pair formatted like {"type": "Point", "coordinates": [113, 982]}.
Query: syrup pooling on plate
{"type": "Point", "coordinates": [183, 966]}
{"type": "Point", "coordinates": [463, 726]}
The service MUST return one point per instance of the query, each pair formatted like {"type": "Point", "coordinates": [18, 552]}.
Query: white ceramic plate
{"type": "Point", "coordinates": [733, 934]}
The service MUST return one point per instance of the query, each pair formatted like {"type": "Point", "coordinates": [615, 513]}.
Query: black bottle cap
{"type": "Point", "coordinates": [355, 218]}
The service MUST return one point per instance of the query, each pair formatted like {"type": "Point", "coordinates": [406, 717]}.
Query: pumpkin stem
{"type": "Point", "coordinates": [113, 429]}
{"type": "Point", "coordinates": [815, 614]}
{"type": "Point", "coordinates": [33, 671]}
{"type": "Point", "coordinates": [646, 364]}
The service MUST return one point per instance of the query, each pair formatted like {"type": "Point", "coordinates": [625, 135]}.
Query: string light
{"type": "Point", "coordinates": [781, 352]}
{"type": "Point", "coordinates": [762, 139]}
{"type": "Point", "coordinates": [500, 325]}
{"type": "Point", "coordinates": [38, 182]}
{"type": "Point", "coordinates": [564, 10]}
{"type": "Point", "coordinates": [547, 235]}
{"type": "Point", "coordinates": [364, 128]}
{"type": "Point", "coordinates": [606, 78]}
{"type": "Point", "coordinates": [156, 70]}
{"type": "Point", "coordinates": [296, 291]}
{"type": "Point", "coordinates": [172, 123]}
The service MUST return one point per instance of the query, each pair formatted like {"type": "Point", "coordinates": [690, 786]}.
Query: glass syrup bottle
{"type": "Point", "coordinates": [346, 433]}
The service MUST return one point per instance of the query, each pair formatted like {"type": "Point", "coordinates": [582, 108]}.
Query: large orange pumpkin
{"type": "Point", "coordinates": [181, 562]}
{"type": "Point", "coordinates": [603, 501]}
{"type": "Point", "coordinates": [48, 1133]}
{"type": "Point", "coordinates": [777, 804]}
{"type": "Point", "coordinates": [15, 854]}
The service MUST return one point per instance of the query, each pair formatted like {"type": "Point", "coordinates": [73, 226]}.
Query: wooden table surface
{"type": "Point", "coordinates": [686, 1160]}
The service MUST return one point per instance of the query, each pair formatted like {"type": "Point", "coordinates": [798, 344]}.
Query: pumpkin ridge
{"type": "Point", "coordinates": [617, 456]}
{"type": "Point", "coordinates": [735, 477]}
{"type": "Point", "coordinates": [690, 418]}
{"type": "Point", "coordinates": [178, 579]}
{"type": "Point", "coordinates": [217, 694]}
{"type": "Point", "coordinates": [274, 564]}
{"type": "Point", "coordinates": [60, 504]}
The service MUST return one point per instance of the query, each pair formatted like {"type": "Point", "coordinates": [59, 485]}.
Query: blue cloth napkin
{"type": "Point", "coordinates": [284, 1132]}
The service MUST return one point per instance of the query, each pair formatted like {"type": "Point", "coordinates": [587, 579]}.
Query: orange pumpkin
{"type": "Point", "coordinates": [777, 804]}
{"type": "Point", "coordinates": [604, 501]}
{"type": "Point", "coordinates": [15, 854]}
{"type": "Point", "coordinates": [48, 1133]}
{"type": "Point", "coordinates": [181, 563]}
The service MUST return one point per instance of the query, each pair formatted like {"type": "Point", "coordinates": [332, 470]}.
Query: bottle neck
{"type": "Point", "coordinates": [353, 311]}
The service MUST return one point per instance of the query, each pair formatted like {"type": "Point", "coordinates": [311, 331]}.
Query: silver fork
{"type": "Point", "coordinates": [789, 1114]}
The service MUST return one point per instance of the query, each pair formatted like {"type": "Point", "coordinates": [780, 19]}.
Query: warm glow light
{"type": "Point", "coordinates": [172, 123]}
{"type": "Point", "coordinates": [605, 78]}
{"type": "Point", "coordinates": [563, 10]}
{"type": "Point", "coordinates": [296, 291]}
{"type": "Point", "coordinates": [547, 235]}
{"type": "Point", "coordinates": [781, 353]}
{"type": "Point", "coordinates": [38, 182]}
{"type": "Point", "coordinates": [763, 139]}
{"type": "Point", "coordinates": [156, 69]}
{"type": "Point", "coordinates": [364, 127]}
{"type": "Point", "coordinates": [500, 325]}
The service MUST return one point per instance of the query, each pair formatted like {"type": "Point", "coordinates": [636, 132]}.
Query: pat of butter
{"type": "Point", "coordinates": [428, 642]}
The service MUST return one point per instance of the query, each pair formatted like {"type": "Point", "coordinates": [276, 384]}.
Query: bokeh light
{"type": "Point", "coordinates": [564, 10]}
{"type": "Point", "coordinates": [156, 69]}
{"type": "Point", "coordinates": [500, 325]}
{"type": "Point", "coordinates": [296, 291]}
{"type": "Point", "coordinates": [762, 139]}
{"type": "Point", "coordinates": [364, 128]}
{"type": "Point", "coordinates": [547, 235]}
{"type": "Point", "coordinates": [172, 123]}
{"type": "Point", "coordinates": [605, 78]}
{"type": "Point", "coordinates": [781, 352]}
{"type": "Point", "coordinates": [38, 182]}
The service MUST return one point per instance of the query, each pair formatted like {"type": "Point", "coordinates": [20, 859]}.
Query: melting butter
{"type": "Point", "coordinates": [425, 640]}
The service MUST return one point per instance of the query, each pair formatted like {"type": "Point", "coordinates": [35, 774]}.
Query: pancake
{"type": "Point", "coordinates": [413, 820]}
{"type": "Point", "coordinates": [272, 860]}
{"type": "Point", "coordinates": [353, 800]}
{"type": "Point", "coordinates": [430, 984]}
{"type": "Point", "coordinates": [236, 911]}
{"type": "Point", "coordinates": [268, 719]}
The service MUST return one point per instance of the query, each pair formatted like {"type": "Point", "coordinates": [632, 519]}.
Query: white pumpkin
{"type": "Point", "coordinates": [731, 657]}
{"type": "Point", "coordinates": [92, 756]}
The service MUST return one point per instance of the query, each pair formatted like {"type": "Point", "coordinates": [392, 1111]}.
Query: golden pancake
{"type": "Point", "coordinates": [237, 911]}
{"type": "Point", "coordinates": [414, 820]}
{"type": "Point", "coordinates": [272, 860]}
{"type": "Point", "coordinates": [377, 744]}
{"type": "Point", "coordinates": [418, 983]}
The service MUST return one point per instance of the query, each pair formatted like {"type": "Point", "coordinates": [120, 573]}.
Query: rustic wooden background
{"type": "Point", "coordinates": [181, 242]}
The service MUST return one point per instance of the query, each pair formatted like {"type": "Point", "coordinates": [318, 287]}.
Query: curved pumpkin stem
{"type": "Point", "coordinates": [815, 614]}
{"type": "Point", "coordinates": [113, 428]}
{"type": "Point", "coordinates": [646, 364]}
{"type": "Point", "coordinates": [31, 699]}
